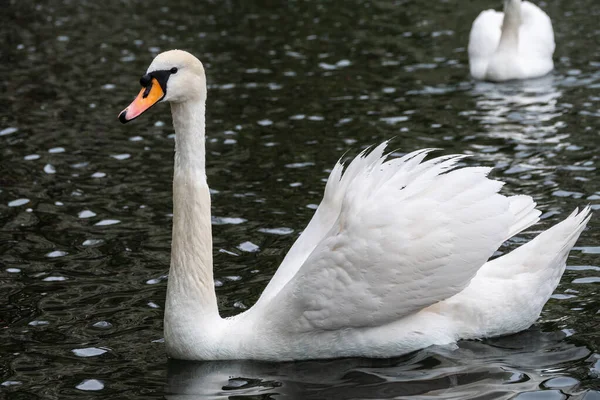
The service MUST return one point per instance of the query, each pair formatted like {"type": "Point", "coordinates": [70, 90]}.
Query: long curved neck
{"type": "Point", "coordinates": [190, 291]}
{"type": "Point", "coordinates": [510, 25]}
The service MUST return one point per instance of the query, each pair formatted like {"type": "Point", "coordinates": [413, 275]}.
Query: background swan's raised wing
{"type": "Point", "coordinates": [536, 36]}
{"type": "Point", "coordinates": [408, 234]}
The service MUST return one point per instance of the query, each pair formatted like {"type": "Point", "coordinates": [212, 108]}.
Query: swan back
{"type": "Point", "coordinates": [500, 51]}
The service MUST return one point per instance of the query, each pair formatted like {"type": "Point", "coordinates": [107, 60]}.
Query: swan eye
{"type": "Point", "coordinates": [174, 70]}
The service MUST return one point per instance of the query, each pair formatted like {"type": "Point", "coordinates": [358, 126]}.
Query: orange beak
{"type": "Point", "coordinates": [148, 96]}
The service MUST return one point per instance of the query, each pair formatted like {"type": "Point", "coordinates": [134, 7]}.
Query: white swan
{"type": "Point", "coordinates": [393, 260]}
{"type": "Point", "coordinates": [515, 44]}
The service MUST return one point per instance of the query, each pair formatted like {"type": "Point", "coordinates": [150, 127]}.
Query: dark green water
{"type": "Point", "coordinates": [85, 202]}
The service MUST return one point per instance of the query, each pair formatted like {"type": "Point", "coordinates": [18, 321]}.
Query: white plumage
{"type": "Point", "coordinates": [515, 44]}
{"type": "Point", "coordinates": [395, 258]}
{"type": "Point", "coordinates": [408, 234]}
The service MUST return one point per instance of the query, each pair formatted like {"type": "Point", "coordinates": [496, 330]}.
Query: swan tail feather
{"type": "Point", "coordinates": [523, 208]}
{"type": "Point", "coordinates": [546, 254]}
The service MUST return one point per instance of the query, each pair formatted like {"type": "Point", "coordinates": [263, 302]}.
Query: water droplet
{"type": "Point", "coordinates": [49, 169]}
{"type": "Point", "coordinates": [227, 220]}
{"type": "Point", "coordinates": [98, 175]}
{"type": "Point", "coordinates": [239, 304]}
{"type": "Point", "coordinates": [248, 247]}
{"type": "Point", "coordinates": [90, 385]}
{"type": "Point", "coordinates": [86, 214]}
{"type": "Point", "coordinates": [55, 150]}
{"type": "Point", "coordinates": [588, 249]}
{"type": "Point", "coordinates": [587, 279]}
{"type": "Point", "coordinates": [106, 222]}
{"type": "Point", "coordinates": [39, 323]}
{"type": "Point", "coordinates": [566, 193]}
{"type": "Point", "coordinates": [89, 352]}
{"type": "Point", "coordinates": [8, 131]}
{"type": "Point", "coordinates": [299, 165]}
{"type": "Point", "coordinates": [231, 253]}
{"type": "Point", "coordinates": [54, 279]}
{"type": "Point", "coordinates": [56, 253]}
{"type": "Point", "coordinates": [154, 281]}
{"type": "Point", "coordinates": [121, 156]}
{"type": "Point", "coordinates": [92, 242]}
{"type": "Point", "coordinates": [276, 231]}
{"type": "Point", "coordinates": [11, 383]}
{"type": "Point", "coordinates": [18, 202]}
{"type": "Point", "coordinates": [102, 325]}
{"type": "Point", "coordinates": [560, 296]}
{"type": "Point", "coordinates": [31, 157]}
{"type": "Point", "coordinates": [394, 120]}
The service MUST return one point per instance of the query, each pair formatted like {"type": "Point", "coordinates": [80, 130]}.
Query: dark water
{"type": "Point", "coordinates": [85, 202]}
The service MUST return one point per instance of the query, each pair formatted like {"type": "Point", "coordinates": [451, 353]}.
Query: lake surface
{"type": "Point", "coordinates": [85, 202]}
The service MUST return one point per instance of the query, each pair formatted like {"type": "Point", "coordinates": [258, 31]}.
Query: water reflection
{"type": "Point", "coordinates": [521, 111]}
{"type": "Point", "coordinates": [500, 367]}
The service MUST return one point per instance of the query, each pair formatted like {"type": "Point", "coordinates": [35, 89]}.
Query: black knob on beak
{"type": "Point", "coordinates": [146, 80]}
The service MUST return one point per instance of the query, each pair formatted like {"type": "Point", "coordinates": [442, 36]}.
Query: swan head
{"type": "Point", "coordinates": [175, 76]}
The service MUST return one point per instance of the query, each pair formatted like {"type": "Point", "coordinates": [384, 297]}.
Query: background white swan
{"type": "Point", "coordinates": [393, 260]}
{"type": "Point", "coordinates": [515, 44]}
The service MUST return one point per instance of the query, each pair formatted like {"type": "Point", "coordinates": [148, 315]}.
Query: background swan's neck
{"type": "Point", "coordinates": [510, 25]}
{"type": "Point", "coordinates": [191, 297]}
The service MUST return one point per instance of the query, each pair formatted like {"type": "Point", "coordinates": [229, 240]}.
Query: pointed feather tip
{"type": "Point", "coordinates": [581, 220]}
{"type": "Point", "coordinates": [585, 214]}
{"type": "Point", "coordinates": [582, 216]}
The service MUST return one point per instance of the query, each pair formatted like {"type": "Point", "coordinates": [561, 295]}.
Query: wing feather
{"type": "Point", "coordinates": [409, 233]}
{"type": "Point", "coordinates": [323, 219]}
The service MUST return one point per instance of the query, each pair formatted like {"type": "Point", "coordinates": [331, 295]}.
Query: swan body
{"type": "Point", "coordinates": [515, 44]}
{"type": "Point", "coordinates": [395, 258]}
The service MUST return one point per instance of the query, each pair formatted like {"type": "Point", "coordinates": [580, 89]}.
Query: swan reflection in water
{"type": "Point", "coordinates": [523, 111]}
{"type": "Point", "coordinates": [521, 129]}
{"type": "Point", "coordinates": [497, 368]}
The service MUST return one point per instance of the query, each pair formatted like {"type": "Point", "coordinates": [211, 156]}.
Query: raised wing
{"type": "Point", "coordinates": [536, 36]}
{"type": "Point", "coordinates": [408, 234]}
{"type": "Point", "coordinates": [322, 221]}
{"type": "Point", "coordinates": [483, 40]}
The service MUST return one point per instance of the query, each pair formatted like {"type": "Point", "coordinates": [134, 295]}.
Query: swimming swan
{"type": "Point", "coordinates": [395, 258]}
{"type": "Point", "coordinates": [515, 44]}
